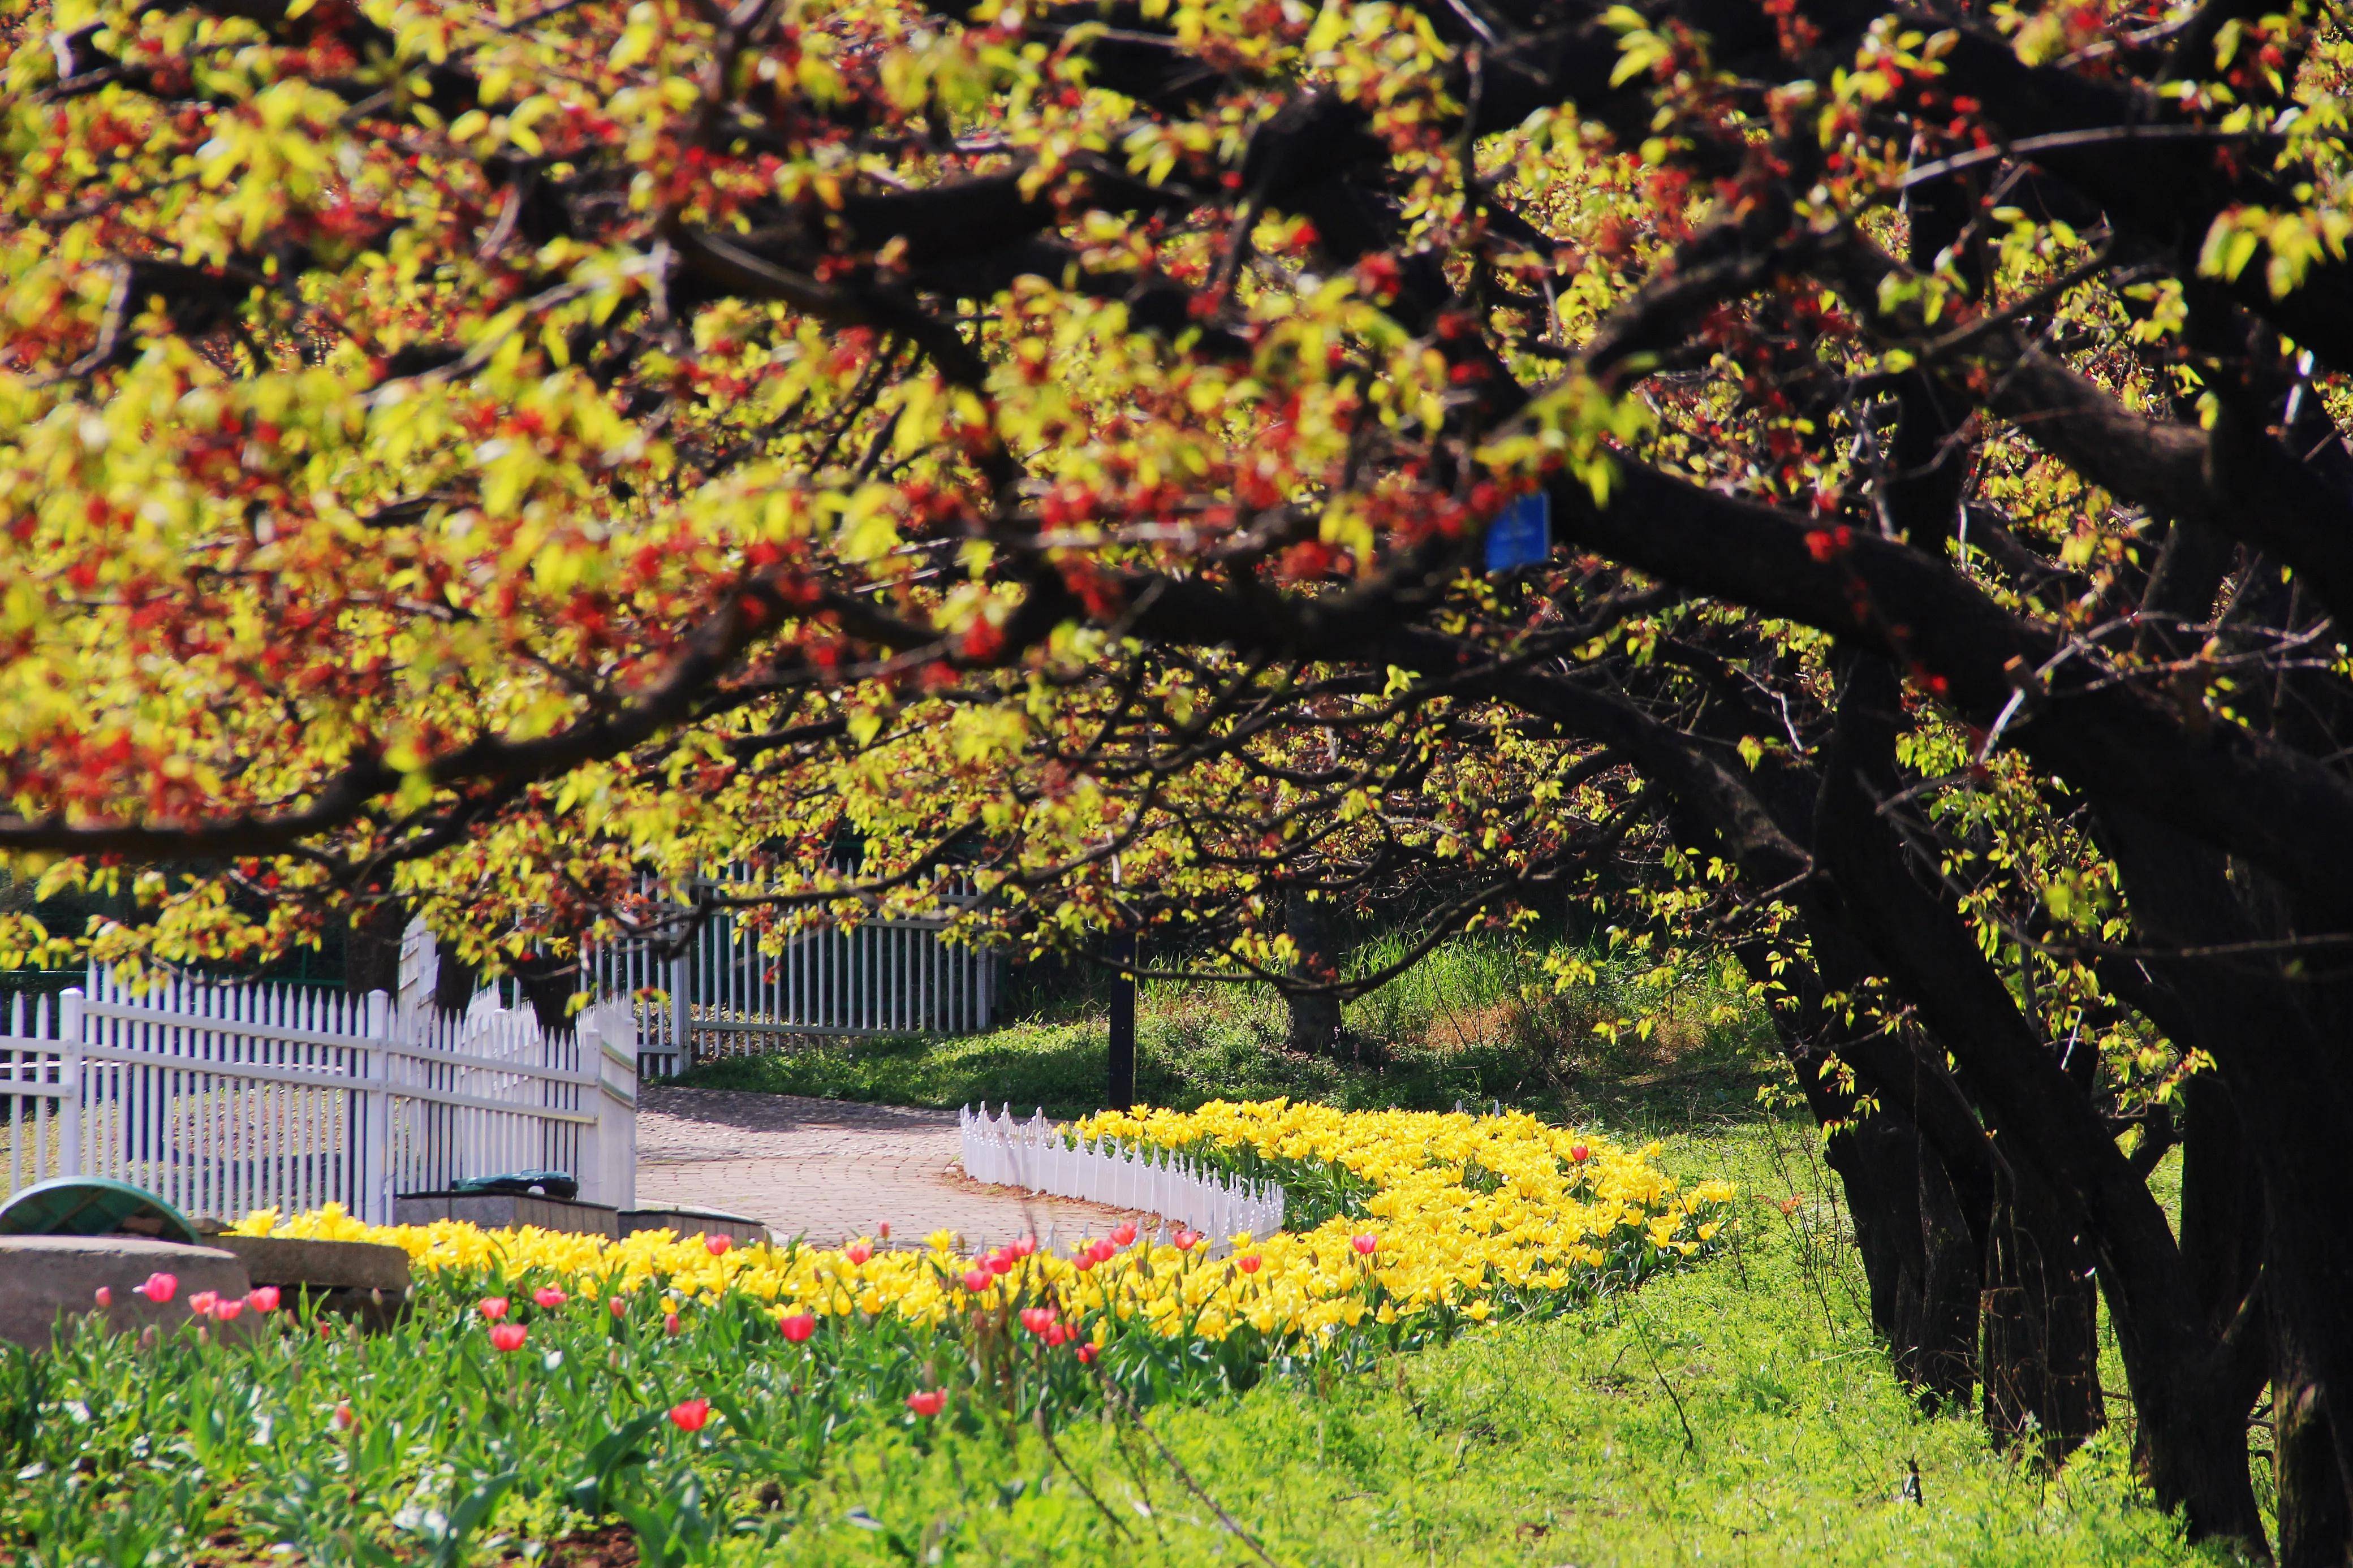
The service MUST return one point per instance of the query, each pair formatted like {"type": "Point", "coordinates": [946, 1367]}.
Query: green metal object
{"type": "Point", "coordinates": [93, 1205]}
{"type": "Point", "coordinates": [553, 1184]}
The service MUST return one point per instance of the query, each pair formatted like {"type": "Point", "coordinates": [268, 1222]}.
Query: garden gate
{"type": "Point", "coordinates": [726, 997]}
{"type": "Point", "coordinates": [223, 1099]}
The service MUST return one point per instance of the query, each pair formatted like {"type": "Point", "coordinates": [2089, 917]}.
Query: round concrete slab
{"type": "Point", "coordinates": [42, 1276]}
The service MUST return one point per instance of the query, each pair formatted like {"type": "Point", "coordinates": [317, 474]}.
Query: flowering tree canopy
{"type": "Point", "coordinates": [467, 457]}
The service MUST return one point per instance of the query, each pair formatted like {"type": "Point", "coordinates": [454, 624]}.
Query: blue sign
{"type": "Point", "coordinates": [1521, 535]}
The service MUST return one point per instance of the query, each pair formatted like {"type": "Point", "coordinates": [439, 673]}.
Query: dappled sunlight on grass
{"type": "Point", "coordinates": [1476, 1021]}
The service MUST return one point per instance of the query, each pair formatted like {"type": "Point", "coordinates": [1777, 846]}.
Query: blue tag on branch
{"type": "Point", "coordinates": [1521, 535]}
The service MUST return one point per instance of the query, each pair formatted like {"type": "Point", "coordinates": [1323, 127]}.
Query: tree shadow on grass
{"type": "Point", "coordinates": [1185, 1060]}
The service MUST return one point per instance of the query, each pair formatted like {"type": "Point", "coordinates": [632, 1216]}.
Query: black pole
{"type": "Point", "coordinates": [1122, 1027]}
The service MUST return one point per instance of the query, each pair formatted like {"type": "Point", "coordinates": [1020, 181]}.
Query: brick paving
{"type": "Point", "coordinates": [832, 1171]}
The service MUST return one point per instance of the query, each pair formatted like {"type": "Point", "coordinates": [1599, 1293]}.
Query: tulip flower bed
{"type": "Point", "coordinates": [545, 1383]}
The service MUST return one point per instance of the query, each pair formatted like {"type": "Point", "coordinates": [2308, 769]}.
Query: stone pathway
{"type": "Point", "coordinates": [832, 1171]}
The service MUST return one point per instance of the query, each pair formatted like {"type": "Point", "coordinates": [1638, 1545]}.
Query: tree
{"type": "Point", "coordinates": [475, 456]}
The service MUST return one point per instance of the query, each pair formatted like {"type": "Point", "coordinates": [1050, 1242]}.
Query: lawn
{"type": "Point", "coordinates": [1733, 1409]}
{"type": "Point", "coordinates": [1476, 1022]}
{"type": "Point", "coordinates": [1739, 1413]}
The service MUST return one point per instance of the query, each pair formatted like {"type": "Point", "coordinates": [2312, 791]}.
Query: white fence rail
{"type": "Point", "coordinates": [222, 1099]}
{"type": "Point", "coordinates": [727, 997]}
{"type": "Point", "coordinates": [1038, 1155]}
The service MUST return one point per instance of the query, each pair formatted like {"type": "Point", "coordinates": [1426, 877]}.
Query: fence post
{"type": "Point", "coordinates": [374, 1175]}
{"type": "Point", "coordinates": [70, 1075]}
{"type": "Point", "coordinates": [681, 1010]}
{"type": "Point", "coordinates": [610, 1031]}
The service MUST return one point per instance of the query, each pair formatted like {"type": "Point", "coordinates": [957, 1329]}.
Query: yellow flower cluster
{"type": "Point", "coordinates": [1462, 1213]}
{"type": "Point", "coordinates": [1458, 1199]}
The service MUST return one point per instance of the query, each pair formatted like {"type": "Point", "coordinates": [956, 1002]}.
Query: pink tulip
{"type": "Point", "coordinates": [716, 1246]}
{"type": "Point", "coordinates": [263, 1297]}
{"type": "Point", "coordinates": [798, 1327]}
{"type": "Point", "coordinates": [160, 1288]}
{"type": "Point", "coordinates": [1024, 1248]}
{"type": "Point", "coordinates": [1579, 1154]}
{"type": "Point", "coordinates": [670, 1325]}
{"type": "Point", "coordinates": [1122, 1234]}
{"type": "Point", "coordinates": [927, 1402]}
{"type": "Point", "coordinates": [1365, 1245]}
{"type": "Point", "coordinates": [201, 1303]}
{"type": "Point", "coordinates": [999, 1263]}
{"type": "Point", "coordinates": [492, 1306]}
{"type": "Point", "coordinates": [1086, 1355]}
{"type": "Point", "coordinates": [1186, 1238]}
{"type": "Point", "coordinates": [508, 1337]}
{"type": "Point", "coordinates": [620, 1308]}
{"type": "Point", "coordinates": [976, 1279]}
{"type": "Point", "coordinates": [1249, 1263]}
{"type": "Point", "coordinates": [691, 1414]}
{"type": "Point", "coordinates": [858, 1252]}
{"type": "Point", "coordinates": [1038, 1320]}
{"type": "Point", "coordinates": [226, 1312]}
{"type": "Point", "coordinates": [549, 1297]}
{"type": "Point", "coordinates": [105, 1297]}
{"type": "Point", "coordinates": [1083, 1262]}
{"type": "Point", "coordinates": [1105, 1251]}
{"type": "Point", "coordinates": [882, 1231]}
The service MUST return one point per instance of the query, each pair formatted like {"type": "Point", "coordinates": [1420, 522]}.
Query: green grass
{"type": "Point", "coordinates": [1738, 1414]}
{"type": "Point", "coordinates": [1740, 1411]}
{"type": "Point", "coordinates": [1743, 1413]}
{"type": "Point", "coordinates": [1477, 1021]}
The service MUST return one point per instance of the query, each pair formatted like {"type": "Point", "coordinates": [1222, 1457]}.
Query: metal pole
{"type": "Point", "coordinates": [1122, 1026]}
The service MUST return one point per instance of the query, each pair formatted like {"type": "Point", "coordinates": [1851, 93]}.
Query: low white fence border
{"type": "Point", "coordinates": [1041, 1156]}
{"type": "Point", "coordinates": [224, 1098]}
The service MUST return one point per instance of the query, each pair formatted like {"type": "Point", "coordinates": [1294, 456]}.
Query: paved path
{"type": "Point", "coordinates": [832, 1171]}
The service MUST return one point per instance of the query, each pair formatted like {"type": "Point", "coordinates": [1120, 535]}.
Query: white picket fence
{"type": "Point", "coordinates": [727, 997]}
{"type": "Point", "coordinates": [223, 1099]}
{"type": "Point", "coordinates": [1042, 1157]}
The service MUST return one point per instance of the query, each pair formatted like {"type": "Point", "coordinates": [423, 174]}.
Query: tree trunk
{"type": "Point", "coordinates": [454, 984]}
{"type": "Point", "coordinates": [2192, 1443]}
{"type": "Point", "coordinates": [549, 988]}
{"type": "Point", "coordinates": [2316, 1524]}
{"type": "Point", "coordinates": [2041, 1361]}
{"type": "Point", "coordinates": [1315, 1024]}
{"type": "Point", "coordinates": [372, 948]}
{"type": "Point", "coordinates": [1919, 1252]}
{"type": "Point", "coordinates": [2275, 1036]}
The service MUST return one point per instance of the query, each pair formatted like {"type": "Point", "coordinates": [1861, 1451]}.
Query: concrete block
{"type": "Point", "coordinates": [367, 1280]}
{"type": "Point", "coordinates": [696, 1222]}
{"type": "Point", "coordinates": [332, 1265]}
{"type": "Point", "coordinates": [504, 1211]}
{"type": "Point", "coordinates": [43, 1276]}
